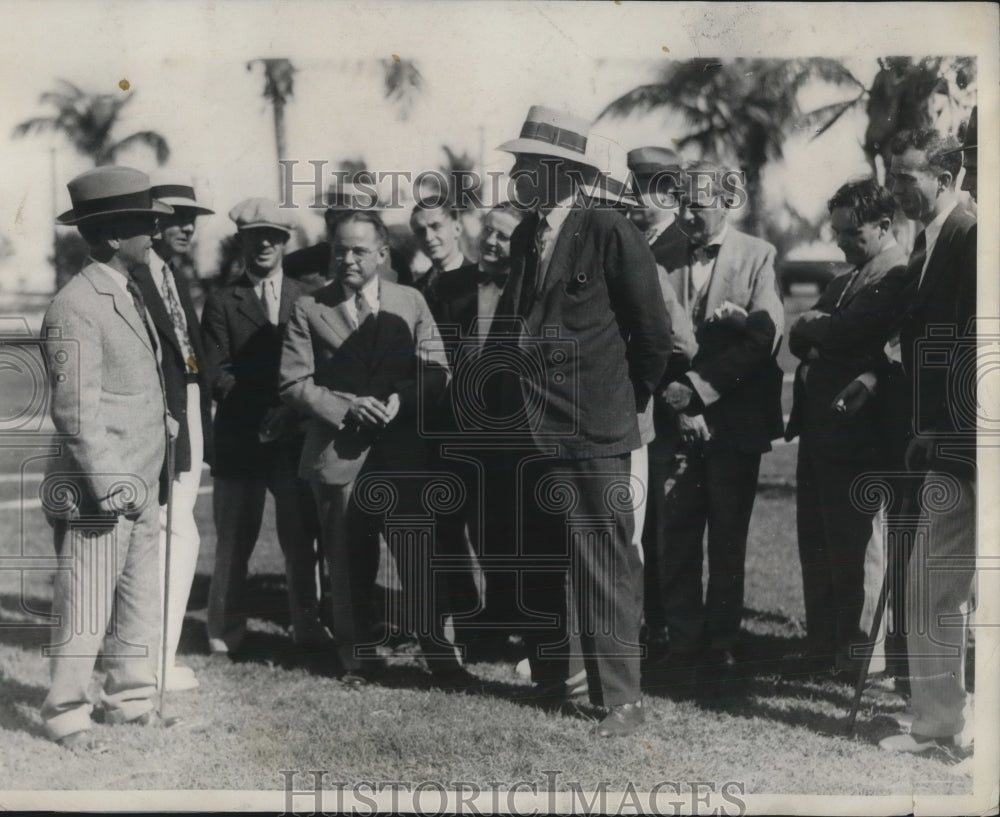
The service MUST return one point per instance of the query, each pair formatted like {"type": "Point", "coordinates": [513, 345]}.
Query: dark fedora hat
{"type": "Point", "coordinates": [106, 192]}
{"type": "Point", "coordinates": [178, 194]}
{"type": "Point", "coordinates": [650, 160]}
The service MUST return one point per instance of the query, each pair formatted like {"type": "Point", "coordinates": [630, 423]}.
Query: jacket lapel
{"type": "Point", "coordinates": [101, 282]}
{"type": "Point", "coordinates": [726, 265]}
{"type": "Point", "coordinates": [155, 306]}
{"type": "Point", "coordinates": [335, 314]}
{"type": "Point", "coordinates": [391, 302]}
{"type": "Point", "coordinates": [248, 304]}
{"type": "Point", "coordinates": [936, 266]}
{"type": "Point", "coordinates": [873, 272]}
{"type": "Point", "coordinates": [561, 262]}
{"type": "Point", "coordinates": [289, 295]}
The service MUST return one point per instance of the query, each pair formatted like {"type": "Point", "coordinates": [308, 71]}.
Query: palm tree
{"type": "Point", "coordinates": [279, 86]}
{"type": "Point", "coordinates": [401, 78]}
{"type": "Point", "coordinates": [739, 112]}
{"type": "Point", "coordinates": [88, 120]}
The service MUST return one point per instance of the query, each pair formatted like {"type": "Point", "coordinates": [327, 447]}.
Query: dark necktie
{"type": "Point", "coordinates": [529, 281]}
{"type": "Point", "coordinates": [140, 307]}
{"type": "Point", "coordinates": [703, 253]}
{"type": "Point", "coordinates": [918, 256]}
{"type": "Point", "coordinates": [364, 309]}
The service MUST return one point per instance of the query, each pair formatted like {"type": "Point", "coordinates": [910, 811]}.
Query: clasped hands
{"type": "Point", "coordinates": [370, 412]}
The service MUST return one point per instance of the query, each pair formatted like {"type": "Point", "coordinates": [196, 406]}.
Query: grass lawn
{"type": "Point", "coordinates": [772, 734]}
{"type": "Point", "coordinates": [768, 733]}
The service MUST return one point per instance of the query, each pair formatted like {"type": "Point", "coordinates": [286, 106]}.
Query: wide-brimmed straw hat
{"type": "Point", "coordinates": [614, 183]}
{"type": "Point", "coordinates": [548, 132]}
{"type": "Point", "coordinates": [110, 191]}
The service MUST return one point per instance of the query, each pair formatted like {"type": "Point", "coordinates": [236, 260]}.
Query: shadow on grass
{"type": "Point", "coordinates": [14, 698]}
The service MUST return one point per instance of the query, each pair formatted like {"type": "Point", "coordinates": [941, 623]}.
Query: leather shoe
{"type": "Point", "coordinates": [153, 720]}
{"type": "Point", "coordinates": [558, 696]}
{"type": "Point", "coordinates": [456, 679]}
{"type": "Point", "coordinates": [353, 680]}
{"type": "Point", "coordinates": [622, 720]}
{"type": "Point", "coordinates": [83, 741]}
{"type": "Point", "coordinates": [914, 744]}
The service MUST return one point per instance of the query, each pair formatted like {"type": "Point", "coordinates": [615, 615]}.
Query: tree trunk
{"type": "Point", "coordinates": [279, 136]}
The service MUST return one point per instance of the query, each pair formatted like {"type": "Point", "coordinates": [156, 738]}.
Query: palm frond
{"type": "Point", "coordinates": [146, 138]}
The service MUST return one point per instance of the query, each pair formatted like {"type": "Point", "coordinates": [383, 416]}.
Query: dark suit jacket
{"type": "Point", "coordinates": [327, 362]}
{"type": "Point", "coordinates": [243, 350]}
{"type": "Point", "coordinates": [597, 330]}
{"type": "Point", "coordinates": [942, 378]}
{"type": "Point", "coordinates": [738, 359]}
{"type": "Point", "coordinates": [666, 243]}
{"type": "Point", "coordinates": [174, 366]}
{"type": "Point", "coordinates": [848, 340]}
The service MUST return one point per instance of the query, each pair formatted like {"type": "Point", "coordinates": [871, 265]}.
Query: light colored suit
{"type": "Point", "coordinates": [714, 483]}
{"type": "Point", "coordinates": [108, 407]}
{"type": "Point", "coordinates": [327, 361]}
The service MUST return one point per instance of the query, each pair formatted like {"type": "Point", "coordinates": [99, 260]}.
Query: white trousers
{"type": "Point", "coordinates": [184, 540]}
{"type": "Point", "coordinates": [640, 494]}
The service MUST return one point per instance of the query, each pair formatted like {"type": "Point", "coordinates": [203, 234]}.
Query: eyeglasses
{"type": "Point", "coordinates": [359, 252]}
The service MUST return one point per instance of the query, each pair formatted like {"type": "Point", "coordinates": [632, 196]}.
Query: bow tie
{"type": "Point", "coordinates": [710, 251]}
{"type": "Point", "coordinates": [498, 278]}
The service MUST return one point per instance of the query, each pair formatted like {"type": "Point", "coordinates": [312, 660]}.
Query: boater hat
{"type": "Point", "coordinates": [110, 191]}
{"type": "Point", "coordinates": [615, 183]}
{"type": "Point", "coordinates": [178, 195]}
{"type": "Point", "coordinates": [548, 132]}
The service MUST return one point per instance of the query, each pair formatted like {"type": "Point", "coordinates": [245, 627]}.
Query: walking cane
{"type": "Point", "coordinates": [859, 687]}
{"type": "Point", "coordinates": [164, 642]}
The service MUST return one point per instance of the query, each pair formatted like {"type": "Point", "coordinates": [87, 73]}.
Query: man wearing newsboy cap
{"type": "Point", "coordinates": [101, 489]}
{"type": "Point", "coordinates": [582, 293]}
{"type": "Point", "coordinates": [257, 439]}
{"type": "Point", "coordinates": [167, 295]}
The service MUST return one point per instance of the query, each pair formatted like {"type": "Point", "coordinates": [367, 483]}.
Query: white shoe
{"type": "Point", "coordinates": [180, 679]}
{"type": "Point", "coordinates": [963, 769]}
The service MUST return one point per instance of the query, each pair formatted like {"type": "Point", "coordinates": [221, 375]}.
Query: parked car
{"type": "Point", "coordinates": [819, 273]}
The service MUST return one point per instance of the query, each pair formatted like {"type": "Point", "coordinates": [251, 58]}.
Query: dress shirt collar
{"type": "Point", "coordinates": [118, 277]}
{"type": "Point", "coordinates": [275, 276]}
{"type": "Point", "coordinates": [555, 217]}
{"type": "Point", "coordinates": [370, 293]}
{"type": "Point", "coordinates": [452, 262]}
{"type": "Point", "coordinates": [719, 237]}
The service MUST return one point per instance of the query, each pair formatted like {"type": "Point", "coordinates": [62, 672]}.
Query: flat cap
{"type": "Point", "coordinates": [252, 214]}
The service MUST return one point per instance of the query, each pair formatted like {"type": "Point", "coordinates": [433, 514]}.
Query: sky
{"type": "Point", "coordinates": [484, 63]}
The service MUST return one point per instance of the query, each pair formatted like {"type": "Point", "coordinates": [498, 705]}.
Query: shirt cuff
{"type": "Point", "coordinates": [869, 380]}
{"type": "Point", "coordinates": [705, 391]}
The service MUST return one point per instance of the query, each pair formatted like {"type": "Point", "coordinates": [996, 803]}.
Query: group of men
{"type": "Point", "coordinates": [540, 438]}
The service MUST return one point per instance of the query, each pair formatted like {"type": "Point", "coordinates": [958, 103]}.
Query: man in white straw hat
{"type": "Point", "coordinates": [583, 293]}
{"type": "Point", "coordinates": [166, 292]}
{"type": "Point", "coordinates": [100, 491]}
